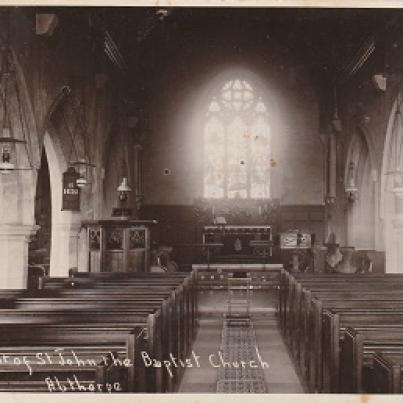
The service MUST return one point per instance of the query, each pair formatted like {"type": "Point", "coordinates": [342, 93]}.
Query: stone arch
{"type": "Point", "coordinates": [390, 205]}
{"type": "Point", "coordinates": [68, 241]}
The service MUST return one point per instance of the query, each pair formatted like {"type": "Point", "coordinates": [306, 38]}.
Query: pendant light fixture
{"type": "Point", "coordinates": [351, 187]}
{"type": "Point", "coordinates": [81, 164]}
{"type": "Point", "coordinates": [8, 80]}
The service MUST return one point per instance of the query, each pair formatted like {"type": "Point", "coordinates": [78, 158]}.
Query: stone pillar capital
{"type": "Point", "coordinates": [17, 230]}
{"type": "Point", "coordinates": [73, 227]}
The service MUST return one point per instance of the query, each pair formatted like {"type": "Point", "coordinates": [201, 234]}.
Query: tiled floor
{"type": "Point", "coordinates": [280, 377]}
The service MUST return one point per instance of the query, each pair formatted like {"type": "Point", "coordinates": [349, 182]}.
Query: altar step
{"type": "Point", "coordinates": [239, 259]}
{"type": "Point", "coordinates": [214, 303]}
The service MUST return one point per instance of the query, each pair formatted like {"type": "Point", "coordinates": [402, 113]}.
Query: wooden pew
{"type": "Point", "coordinates": [174, 320]}
{"type": "Point", "coordinates": [300, 306]}
{"type": "Point", "coordinates": [345, 292]}
{"type": "Point", "coordinates": [387, 373]}
{"type": "Point", "coordinates": [333, 330]}
{"type": "Point", "coordinates": [358, 347]}
{"type": "Point", "coordinates": [291, 286]}
{"type": "Point", "coordinates": [148, 319]}
{"type": "Point", "coordinates": [56, 345]}
{"type": "Point", "coordinates": [308, 315]}
{"type": "Point", "coordinates": [311, 341]}
{"type": "Point", "coordinates": [182, 310]}
{"type": "Point", "coordinates": [294, 298]}
{"type": "Point", "coordinates": [80, 352]}
{"type": "Point", "coordinates": [190, 277]}
{"type": "Point", "coordinates": [188, 306]}
{"type": "Point", "coordinates": [84, 303]}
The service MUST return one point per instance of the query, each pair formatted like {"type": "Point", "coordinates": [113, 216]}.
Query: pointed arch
{"type": "Point", "coordinates": [390, 205]}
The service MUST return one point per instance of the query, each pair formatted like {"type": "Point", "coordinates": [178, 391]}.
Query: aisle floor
{"type": "Point", "coordinates": [280, 376]}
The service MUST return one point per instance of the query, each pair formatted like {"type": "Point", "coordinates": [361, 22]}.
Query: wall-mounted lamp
{"type": "Point", "coordinates": [351, 188]}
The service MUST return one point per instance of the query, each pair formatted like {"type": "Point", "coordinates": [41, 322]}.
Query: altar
{"type": "Point", "coordinates": [250, 243]}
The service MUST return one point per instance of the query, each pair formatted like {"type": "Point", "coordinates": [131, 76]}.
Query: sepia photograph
{"type": "Point", "coordinates": [201, 200]}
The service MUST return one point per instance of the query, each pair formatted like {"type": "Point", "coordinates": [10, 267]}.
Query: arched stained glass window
{"type": "Point", "coordinates": [237, 144]}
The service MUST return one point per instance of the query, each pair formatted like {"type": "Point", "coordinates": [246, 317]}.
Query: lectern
{"type": "Point", "coordinates": [118, 245]}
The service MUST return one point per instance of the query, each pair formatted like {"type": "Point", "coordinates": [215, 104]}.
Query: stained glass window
{"type": "Point", "coordinates": [237, 144]}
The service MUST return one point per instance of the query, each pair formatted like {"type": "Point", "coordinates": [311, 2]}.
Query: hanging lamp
{"type": "Point", "coordinates": [81, 165]}
{"type": "Point", "coordinates": [351, 187]}
{"type": "Point", "coordinates": [8, 142]}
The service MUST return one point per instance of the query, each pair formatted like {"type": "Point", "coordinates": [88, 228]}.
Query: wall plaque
{"type": "Point", "coordinates": [71, 192]}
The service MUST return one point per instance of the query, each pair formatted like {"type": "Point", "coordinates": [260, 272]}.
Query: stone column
{"type": "Point", "coordinates": [332, 167]}
{"type": "Point", "coordinates": [138, 177]}
{"type": "Point", "coordinates": [83, 250]}
{"type": "Point", "coordinates": [14, 240]}
{"type": "Point", "coordinates": [64, 248]}
{"type": "Point", "coordinates": [396, 260]}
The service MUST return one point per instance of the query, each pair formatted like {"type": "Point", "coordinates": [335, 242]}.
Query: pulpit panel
{"type": "Point", "coordinates": [118, 245]}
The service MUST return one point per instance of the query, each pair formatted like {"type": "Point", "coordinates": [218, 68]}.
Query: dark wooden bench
{"type": "Point", "coordinates": [169, 334]}
{"type": "Point", "coordinates": [334, 325]}
{"type": "Point", "coordinates": [189, 279]}
{"type": "Point", "coordinates": [306, 300]}
{"type": "Point", "coordinates": [292, 306]}
{"type": "Point", "coordinates": [174, 320]}
{"type": "Point", "coordinates": [296, 314]}
{"type": "Point", "coordinates": [188, 308]}
{"type": "Point", "coordinates": [86, 355]}
{"type": "Point", "coordinates": [310, 344]}
{"type": "Point", "coordinates": [291, 285]}
{"type": "Point", "coordinates": [163, 305]}
{"type": "Point", "coordinates": [148, 319]}
{"type": "Point", "coordinates": [187, 305]}
{"type": "Point", "coordinates": [387, 373]}
{"type": "Point", "coordinates": [358, 346]}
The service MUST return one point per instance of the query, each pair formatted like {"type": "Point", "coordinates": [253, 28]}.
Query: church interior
{"type": "Point", "coordinates": [201, 200]}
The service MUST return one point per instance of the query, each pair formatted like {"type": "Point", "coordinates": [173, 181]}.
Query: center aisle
{"type": "Point", "coordinates": [204, 379]}
{"type": "Point", "coordinates": [280, 376]}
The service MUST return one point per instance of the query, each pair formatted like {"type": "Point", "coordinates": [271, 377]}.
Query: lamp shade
{"type": "Point", "coordinates": [81, 182]}
{"type": "Point", "coordinates": [124, 186]}
{"type": "Point", "coordinates": [6, 167]}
